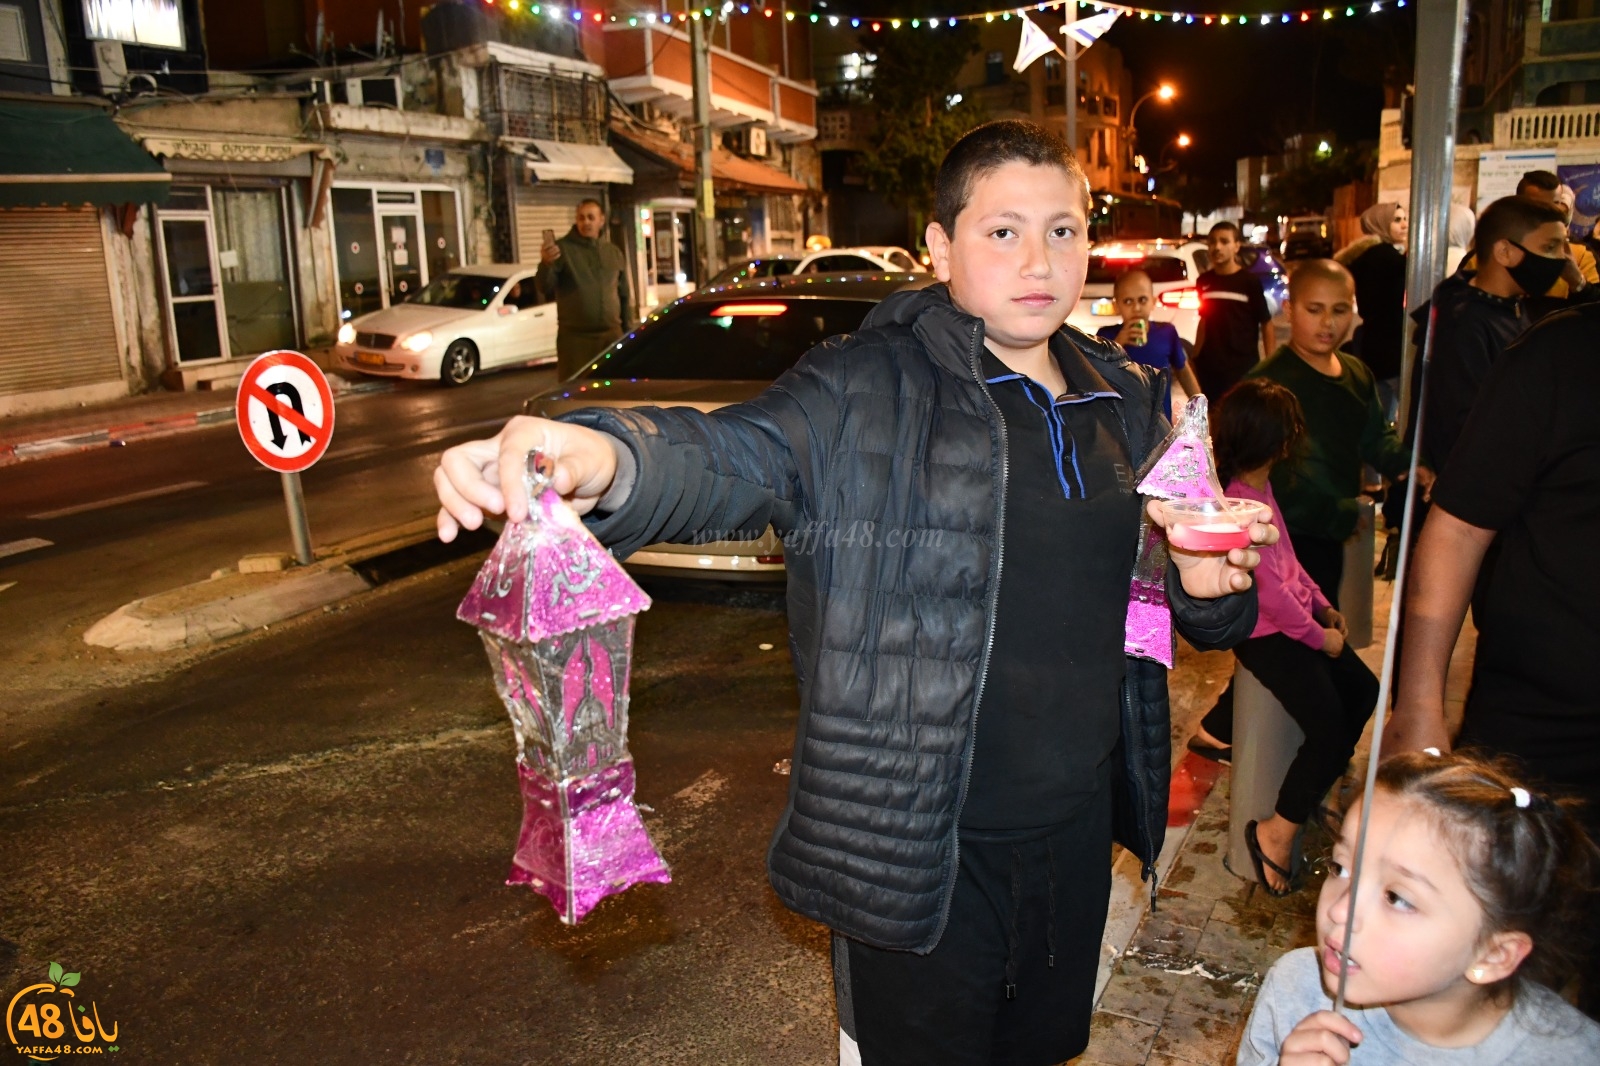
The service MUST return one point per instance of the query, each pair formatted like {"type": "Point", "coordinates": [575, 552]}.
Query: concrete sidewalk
{"type": "Point", "coordinates": [154, 414]}
{"type": "Point", "coordinates": [1179, 992]}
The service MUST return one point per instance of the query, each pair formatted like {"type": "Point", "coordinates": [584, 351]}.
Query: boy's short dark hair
{"type": "Point", "coordinates": [1225, 227]}
{"type": "Point", "coordinates": [1512, 218]}
{"type": "Point", "coordinates": [1310, 270]}
{"type": "Point", "coordinates": [1538, 179]}
{"type": "Point", "coordinates": [990, 146]}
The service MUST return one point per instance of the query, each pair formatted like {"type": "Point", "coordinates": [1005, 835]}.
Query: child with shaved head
{"type": "Point", "coordinates": [1154, 344]}
{"type": "Point", "coordinates": [1345, 422]}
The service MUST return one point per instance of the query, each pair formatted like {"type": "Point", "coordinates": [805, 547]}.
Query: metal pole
{"type": "Point", "coordinates": [1441, 29]}
{"type": "Point", "coordinates": [705, 193]}
{"type": "Point", "coordinates": [1071, 50]}
{"type": "Point", "coordinates": [295, 498]}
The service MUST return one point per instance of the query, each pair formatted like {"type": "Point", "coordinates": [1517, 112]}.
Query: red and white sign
{"type": "Point", "coordinates": [285, 411]}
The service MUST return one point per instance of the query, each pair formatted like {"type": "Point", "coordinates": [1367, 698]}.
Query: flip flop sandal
{"type": "Point", "coordinates": [1262, 864]}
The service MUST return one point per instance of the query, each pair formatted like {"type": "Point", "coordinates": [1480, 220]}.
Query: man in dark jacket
{"type": "Point", "coordinates": [588, 278]}
{"type": "Point", "coordinates": [1520, 245]}
{"type": "Point", "coordinates": [971, 736]}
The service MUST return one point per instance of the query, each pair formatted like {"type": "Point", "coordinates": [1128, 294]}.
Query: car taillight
{"type": "Point", "coordinates": [1188, 299]}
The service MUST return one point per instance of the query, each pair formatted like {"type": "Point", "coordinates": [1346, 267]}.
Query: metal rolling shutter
{"type": "Point", "coordinates": [55, 301]}
{"type": "Point", "coordinates": [541, 207]}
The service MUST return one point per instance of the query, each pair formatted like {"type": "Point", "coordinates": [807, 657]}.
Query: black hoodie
{"type": "Point", "coordinates": [1471, 329]}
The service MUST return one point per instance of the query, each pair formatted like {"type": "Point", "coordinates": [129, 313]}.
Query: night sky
{"type": "Point", "coordinates": [1242, 89]}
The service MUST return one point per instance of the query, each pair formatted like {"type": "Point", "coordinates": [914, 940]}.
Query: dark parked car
{"type": "Point", "coordinates": [715, 347]}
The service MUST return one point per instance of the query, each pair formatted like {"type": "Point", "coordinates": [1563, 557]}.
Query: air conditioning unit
{"type": "Point", "coordinates": [321, 90]}
{"type": "Point", "coordinates": [750, 140]}
{"type": "Point", "coordinates": [373, 92]}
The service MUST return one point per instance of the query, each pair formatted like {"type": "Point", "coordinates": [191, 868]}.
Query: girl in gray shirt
{"type": "Point", "coordinates": [1470, 910]}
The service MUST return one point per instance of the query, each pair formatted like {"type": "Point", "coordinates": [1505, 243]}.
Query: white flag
{"type": "Point", "coordinates": [1035, 43]}
{"type": "Point", "coordinates": [1085, 32]}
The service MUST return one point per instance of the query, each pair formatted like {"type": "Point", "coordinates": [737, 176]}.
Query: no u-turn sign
{"type": "Point", "coordinates": [285, 411]}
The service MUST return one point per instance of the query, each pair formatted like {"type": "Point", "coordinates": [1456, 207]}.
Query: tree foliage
{"type": "Point", "coordinates": [909, 102]}
{"type": "Point", "coordinates": [1308, 185]}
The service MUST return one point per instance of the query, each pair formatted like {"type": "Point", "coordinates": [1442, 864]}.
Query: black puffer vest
{"type": "Point", "coordinates": [889, 429]}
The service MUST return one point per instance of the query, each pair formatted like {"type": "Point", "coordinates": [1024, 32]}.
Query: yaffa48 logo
{"type": "Point", "coordinates": [46, 1020]}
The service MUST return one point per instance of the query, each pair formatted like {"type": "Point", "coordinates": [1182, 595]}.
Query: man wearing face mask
{"type": "Point", "coordinates": [1521, 247]}
{"type": "Point", "coordinates": [1579, 275]}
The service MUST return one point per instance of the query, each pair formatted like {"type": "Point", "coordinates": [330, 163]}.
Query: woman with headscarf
{"type": "Point", "coordinates": [1458, 236]}
{"type": "Point", "coordinates": [1377, 261]}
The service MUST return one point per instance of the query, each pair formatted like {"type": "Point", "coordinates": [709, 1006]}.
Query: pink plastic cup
{"type": "Point", "coordinates": [1211, 525]}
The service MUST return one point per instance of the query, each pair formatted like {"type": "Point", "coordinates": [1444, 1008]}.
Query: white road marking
{"type": "Point", "coordinates": [17, 547]}
{"type": "Point", "coordinates": [131, 497]}
{"type": "Point", "coordinates": [353, 450]}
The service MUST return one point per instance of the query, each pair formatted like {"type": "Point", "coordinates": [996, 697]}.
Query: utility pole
{"type": "Point", "coordinates": [1071, 49]}
{"type": "Point", "coordinates": [705, 193]}
{"type": "Point", "coordinates": [1440, 31]}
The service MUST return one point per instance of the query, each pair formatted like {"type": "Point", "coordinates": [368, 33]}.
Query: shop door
{"type": "Point", "coordinates": [253, 264]}
{"type": "Point", "coordinates": [194, 310]}
{"type": "Point", "coordinates": [670, 242]}
{"type": "Point", "coordinates": [360, 284]}
{"type": "Point", "coordinates": [403, 254]}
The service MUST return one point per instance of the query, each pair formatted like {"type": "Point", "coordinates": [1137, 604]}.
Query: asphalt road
{"type": "Point", "coordinates": [294, 851]}
{"type": "Point", "coordinates": [122, 523]}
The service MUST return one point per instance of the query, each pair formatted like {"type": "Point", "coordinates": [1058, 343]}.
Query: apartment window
{"type": "Point", "coordinates": [13, 35]}
{"type": "Point", "coordinates": [994, 68]}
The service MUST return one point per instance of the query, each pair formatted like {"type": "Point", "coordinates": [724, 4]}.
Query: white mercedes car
{"type": "Point", "coordinates": [470, 319]}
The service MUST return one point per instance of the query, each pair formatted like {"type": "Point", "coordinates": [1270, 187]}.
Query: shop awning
{"type": "Point", "coordinates": [63, 154]}
{"type": "Point", "coordinates": [729, 172]}
{"type": "Point", "coordinates": [228, 149]}
{"type": "Point", "coordinates": [587, 163]}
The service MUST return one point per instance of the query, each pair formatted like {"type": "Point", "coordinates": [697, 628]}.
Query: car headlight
{"type": "Point", "coordinates": [418, 342]}
{"type": "Point", "coordinates": [347, 334]}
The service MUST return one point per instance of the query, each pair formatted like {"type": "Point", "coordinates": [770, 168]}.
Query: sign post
{"type": "Point", "coordinates": [285, 416]}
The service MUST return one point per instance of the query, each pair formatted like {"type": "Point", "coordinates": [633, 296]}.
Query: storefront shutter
{"type": "Point", "coordinates": [541, 207]}
{"type": "Point", "coordinates": [55, 301]}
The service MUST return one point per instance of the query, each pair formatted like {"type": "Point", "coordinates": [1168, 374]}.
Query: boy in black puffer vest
{"type": "Point", "coordinates": [971, 735]}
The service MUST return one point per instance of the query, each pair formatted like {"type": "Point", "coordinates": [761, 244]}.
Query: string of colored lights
{"type": "Point", "coordinates": [728, 8]}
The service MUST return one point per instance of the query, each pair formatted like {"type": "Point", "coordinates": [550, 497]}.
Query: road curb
{"type": "Point", "coordinates": [155, 623]}
{"type": "Point", "coordinates": [232, 602]}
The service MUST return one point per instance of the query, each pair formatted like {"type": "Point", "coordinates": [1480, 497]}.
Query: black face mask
{"type": "Point", "coordinates": [1536, 273]}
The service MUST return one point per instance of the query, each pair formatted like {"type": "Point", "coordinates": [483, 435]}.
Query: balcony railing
{"type": "Point", "coordinates": [544, 105]}
{"type": "Point", "coordinates": [1528, 127]}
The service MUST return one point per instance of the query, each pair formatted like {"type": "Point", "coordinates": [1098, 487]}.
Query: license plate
{"type": "Point", "coordinates": [369, 358]}
{"type": "Point", "coordinates": [1102, 308]}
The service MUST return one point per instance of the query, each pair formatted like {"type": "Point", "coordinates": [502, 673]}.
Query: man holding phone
{"type": "Point", "coordinates": [588, 278]}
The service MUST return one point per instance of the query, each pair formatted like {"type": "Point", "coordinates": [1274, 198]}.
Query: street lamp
{"type": "Point", "coordinates": [1182, 140]}
{"type": "Point", "coordinates": [1165, 93]}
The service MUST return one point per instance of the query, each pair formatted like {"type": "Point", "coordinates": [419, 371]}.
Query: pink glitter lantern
{"type": "Point", "coordinates": [1181, 468]}
{"type": "Point", "coordinates": [556, 613]}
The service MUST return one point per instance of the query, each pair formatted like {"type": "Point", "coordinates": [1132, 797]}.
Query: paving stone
{"type": "Point", "coordinates": [1216, 999]}
{"type": "Point", "coordinates": [1118, 1041]}
{"type": "Point", "coordinates": [1138, 992]}
{"type": "Point", "coordinates": [1161, 934]}
{"type": "Point", "coordinates": [1228, 947]}
{"type": "Point", "coordinates": [1204, 875]}
{"type": "Point", "coordinates": [1197, 1038]}
{"type": "Point", "coordinates": [1184, 909]}
{"type": "Point", "coordinates": [1290, 931]}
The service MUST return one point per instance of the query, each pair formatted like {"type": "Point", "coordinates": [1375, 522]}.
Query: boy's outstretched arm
{"type": "Point", "coordinates": [484, 477]}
